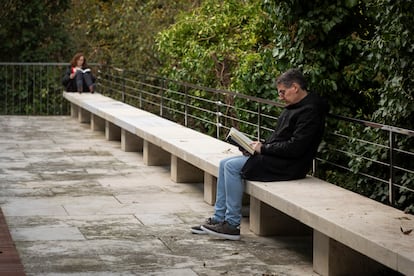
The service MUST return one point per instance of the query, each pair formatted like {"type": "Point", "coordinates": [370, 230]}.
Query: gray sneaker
{"type": "Point", "coordinates": [197, 229]}
{"type": "Point", "coordinates": [223, 230]}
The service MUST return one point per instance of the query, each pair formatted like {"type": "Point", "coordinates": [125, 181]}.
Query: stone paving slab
{"type": "Point", "coordinates": [76, 204]}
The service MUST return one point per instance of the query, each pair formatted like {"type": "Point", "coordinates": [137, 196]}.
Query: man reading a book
{"type": "Point", "coordinates": [286, 155]}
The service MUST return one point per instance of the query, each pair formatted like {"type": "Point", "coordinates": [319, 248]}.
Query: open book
{"type": "Point", "coordinates": [239, 139]}
{"type": "Point", "coordinates": [80, 69]}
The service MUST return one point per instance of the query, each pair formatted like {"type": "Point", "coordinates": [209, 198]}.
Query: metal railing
{"type": "Point", "coordinates": [32, 88]}
{"type": "Point", "coordinates": [375, 158]}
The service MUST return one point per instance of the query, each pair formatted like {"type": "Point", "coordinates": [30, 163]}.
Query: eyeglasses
{"type": "Point", "coordinates": [282, 92]}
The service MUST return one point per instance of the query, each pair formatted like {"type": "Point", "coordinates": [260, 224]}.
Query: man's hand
{"type": "Point", "coordinates": [257, 145]}
{"type": "Point", "coordinates": [244, 152]}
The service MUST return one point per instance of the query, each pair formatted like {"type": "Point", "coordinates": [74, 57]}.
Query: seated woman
{"type": "Point", "coordinates": [78, 76]}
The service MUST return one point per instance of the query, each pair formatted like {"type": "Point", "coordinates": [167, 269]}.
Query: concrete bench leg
{"type": "Point", "coordinates": [182, 171]}
{"type": "Point", "coordinates": [97, 123]}
{"type": "Point", "coordinates": [74, 111]}
{"type": "Point", "coordinates": [267, 221]}
{"type": "Point", "coordinates": [112, 132]}
{"type": "Point", "coordinates": [333, 258]}
{"type": "Point", "coordinates": [84, 116]}
{"type": "Point", "coordinates": [130, 142]}
{"type": "Point", "coordinates": [210, 188]}
{"type": "Point", "coordinates": [154, 155]}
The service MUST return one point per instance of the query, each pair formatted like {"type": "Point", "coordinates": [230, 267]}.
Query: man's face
{"type": "Point", "coordinates": [287, 94]}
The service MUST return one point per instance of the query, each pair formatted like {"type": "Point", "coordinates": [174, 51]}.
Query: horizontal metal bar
{"type": "Point", "coordinates": [209, 106]}
{"type": "Point", "coordinates": [375, 125]}
{"type": "Point", "coordinates": [349, 170]}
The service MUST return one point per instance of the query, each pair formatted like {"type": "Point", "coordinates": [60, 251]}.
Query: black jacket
{"type": "Point", "coordinates": [70, 84]}
{"type": "Point", "coordinates": [288, 153]}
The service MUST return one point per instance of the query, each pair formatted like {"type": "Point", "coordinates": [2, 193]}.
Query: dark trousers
{"type": "Point", "coordinates": [83, 79]}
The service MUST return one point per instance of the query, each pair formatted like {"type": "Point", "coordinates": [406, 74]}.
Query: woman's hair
{"type": "Point", "coordinates": [291, 76]}
{"type": "Point", "coordinates": [75, 59]}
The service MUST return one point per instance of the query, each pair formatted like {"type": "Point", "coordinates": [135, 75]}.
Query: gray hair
{"type": "Point", "coordinates": [291, 76]}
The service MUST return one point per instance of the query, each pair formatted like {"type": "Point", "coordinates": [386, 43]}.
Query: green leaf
{"type": "Point", "coordinates": [351, 3]}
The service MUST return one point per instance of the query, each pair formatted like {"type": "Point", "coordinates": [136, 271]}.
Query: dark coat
{"type": "Point", "coordinates": [70, 84]}
{"type": "Point", "coordinates": [288, 153]}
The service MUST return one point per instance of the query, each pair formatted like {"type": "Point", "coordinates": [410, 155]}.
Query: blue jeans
{"type": "Point", "coordinates": [230, 189]}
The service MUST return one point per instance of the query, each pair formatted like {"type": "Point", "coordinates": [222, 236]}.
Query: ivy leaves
{"type": "Point", "coordinates": [206, 45]}
{"type": "Point", "coordinates": [358, 54]}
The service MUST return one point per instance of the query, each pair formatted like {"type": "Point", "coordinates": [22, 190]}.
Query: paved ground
{"type": "Point", "coordinates": [76, 204]}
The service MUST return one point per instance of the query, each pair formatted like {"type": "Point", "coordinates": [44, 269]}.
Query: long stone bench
{"type": "Point", "coordinates": [193, 156]}
{"type": "Point", "coordinates": [347, 227]}
{"type": "Point", "coordinates": [352, 234]}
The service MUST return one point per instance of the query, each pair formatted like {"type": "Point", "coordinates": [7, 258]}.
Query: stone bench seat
{"type": "Point", "coordinates": [346, 226]}
{"type": "Point", "coordinates": [193, 156]}
{"type": "Point", "coordinates": [352, 234]}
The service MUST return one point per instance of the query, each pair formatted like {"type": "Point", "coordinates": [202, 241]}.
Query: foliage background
{"type": "Point", "coordinates": [121, 33]}
{"type": "Point", "coordinates": [33, 30]}
{"type": "Point", "coordinates": [356, 53]}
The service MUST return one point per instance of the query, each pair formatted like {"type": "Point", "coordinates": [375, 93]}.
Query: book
{"type": "Point", "coordinates": [239, 139]}
{"type": "Point", "coordinates": [74, 69]}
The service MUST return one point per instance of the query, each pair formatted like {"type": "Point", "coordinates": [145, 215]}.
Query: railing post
{"type": "Point", "coordinates": [111, 78]}
{"type": "Point", "coordinates": [218, 115]}
{"type": "Point", "coordinates": [391, 195]}
{"type": "Point", "coordinates": [6, 92]}
{"type": "Point", "coordinates": [163, 87]}
{"type": "Point", "coordinates": [47, 87]}
{"type": "Point", "coordinates": [13, 89]}
{"type": "Point", "coordinates": [20, 109]}
{"type": "Point", "coordinates": [259, 114]}
{"type": "Point", "coordinates": [33, 89]}
{"type": "Point", "coordinates": [186, 107]}
{"type": "Point", "coordinates": [140, 96]}
{"type": "Point", "coordinates": [123, 86]}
